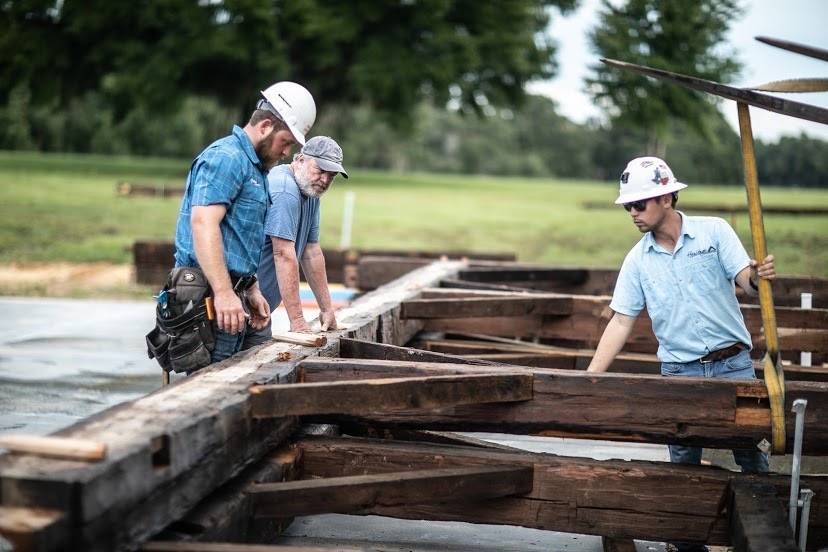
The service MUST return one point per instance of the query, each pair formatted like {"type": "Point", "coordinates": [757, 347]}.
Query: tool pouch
{"type": "Point", "coordinates": [184, 336]}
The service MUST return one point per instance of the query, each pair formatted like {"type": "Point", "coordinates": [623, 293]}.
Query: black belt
{"type": "Point", "coordinates": [722, 354]}
{"type": "Point", "coordinates": [242, 283]}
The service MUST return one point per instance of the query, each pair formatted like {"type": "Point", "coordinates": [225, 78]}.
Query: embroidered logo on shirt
{"type": "Point", "coordinates": [710, 249]}
{"type": "Point", "coordinates": [255, 182]}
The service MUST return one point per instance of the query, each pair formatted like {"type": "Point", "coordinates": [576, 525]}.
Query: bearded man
{"type": "Point", "coordinates": [221, 220]}
{"type": "Point", "coordinates": [292, 236]}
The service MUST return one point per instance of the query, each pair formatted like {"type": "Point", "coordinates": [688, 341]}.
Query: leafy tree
{"type": "Point", "coordinates": [389, 55]}
{"type": "Point", "coordinates": [684, 37]}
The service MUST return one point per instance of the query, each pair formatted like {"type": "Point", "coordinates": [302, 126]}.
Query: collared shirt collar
{"type": "Point", "coordinates": [687, 229]}
{"type": "Point", "coordinates": [247, 146]}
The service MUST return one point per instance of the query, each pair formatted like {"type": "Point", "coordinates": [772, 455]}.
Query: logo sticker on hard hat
{"type": "Point", "coordinates": [625, 178]}
{"type": "Point", "coordinates": [658, 179]}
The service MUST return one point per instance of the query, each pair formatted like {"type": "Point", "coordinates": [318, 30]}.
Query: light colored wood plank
{"type": "Point", "coordinates": [55, 447]}
{"type": "Point", "coordinates": [304, 339]}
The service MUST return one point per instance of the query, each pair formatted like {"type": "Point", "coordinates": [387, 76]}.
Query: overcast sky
{"type": "Point", "coordinates": [804, 21]}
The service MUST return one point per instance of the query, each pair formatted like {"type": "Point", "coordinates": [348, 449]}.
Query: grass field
{"type": "Point", "coordinates": [65, 208]}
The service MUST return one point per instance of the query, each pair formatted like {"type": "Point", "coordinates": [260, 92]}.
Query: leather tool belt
{"type": "Point", "coordinates": [184, 335]}
{"type": "Point", "coordinates": [722, 354]}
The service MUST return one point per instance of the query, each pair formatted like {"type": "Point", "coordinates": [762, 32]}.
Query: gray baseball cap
{"type": "Point", "coordinates": [326, 152]}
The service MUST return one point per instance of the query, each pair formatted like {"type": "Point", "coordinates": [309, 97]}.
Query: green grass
{"type": "Point", "coordinates": [65, 208]}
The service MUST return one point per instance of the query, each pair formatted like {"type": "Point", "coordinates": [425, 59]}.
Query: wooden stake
{"type": "Point", "coordinates": [307, 340]}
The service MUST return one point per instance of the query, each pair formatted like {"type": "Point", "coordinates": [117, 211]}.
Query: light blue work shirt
{"type": "Point", "coordinates": [228, 172]}
{"type": "Point", "coordinates": [689, 293]}
{"type": "Point", "coordinates": [292, 216]}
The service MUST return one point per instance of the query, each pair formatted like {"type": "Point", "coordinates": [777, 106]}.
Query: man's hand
{"type": "Point", "coordinates": [259, 309]}
{"type": "Point", "coordinates": [300, 325]}
{"type": "Point", "coordinates": [230, 315]}
{"type": "Point", "coordinates": [327, 319]}
{"type": "Point", "coordinates": [764, 270]}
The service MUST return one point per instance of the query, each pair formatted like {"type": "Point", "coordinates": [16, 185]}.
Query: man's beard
{"type": "Point", "coordinates": [263, 151]}
{"type": "Point", "coordinates": [305, 183]}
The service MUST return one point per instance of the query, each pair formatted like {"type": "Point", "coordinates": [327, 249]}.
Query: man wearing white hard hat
{"type": "Point", "coordinates": [683, 271]}
{"type": "Point", "coordinates": [221, 221]}
{"type": "Point", "coordinates": [292, 236]}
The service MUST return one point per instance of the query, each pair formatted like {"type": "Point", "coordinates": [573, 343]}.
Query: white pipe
{"type": "Point", "coordinates": [347, 220]}
{"type": "Point", "coordinates": [806, 303]}
{"type": "Point", "coordinates": [799, 409]}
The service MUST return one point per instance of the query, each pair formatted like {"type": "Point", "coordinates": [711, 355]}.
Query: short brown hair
{"type": "Point", "coordinates": [260, 115]}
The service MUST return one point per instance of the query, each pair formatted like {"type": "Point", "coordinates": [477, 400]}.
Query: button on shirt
{"type": "Point", "coordinates": [227, 173]}
{"type": "Point", "coordinates": [292, 216]}
{"type": "Point", "coordinates": [689, 293]}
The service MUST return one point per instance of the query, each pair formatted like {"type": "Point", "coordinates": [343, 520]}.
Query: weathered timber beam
{"type": "Point", "coordinates": [486, 307]}
{"type": "Point", "coordinates": [799, 329]}
{"type": "Point", "coordinates": [453, 283]}
{"type": "Point", "coordinates": [32, 529]}
{"type": "Point", "coordinates": [799, 48]}
{"type": "Point", "coordinates": [225, 515]}
{"type": "Point", "coordinates": [168, 546]}
{"type": "Point", "coordinates": [360, 492]}
{"type": "Point", "coordinates": [640, 500]}
{"type": "Point", "coordinates": [758, 521]}
{"type": "Point", "coordinates": [378, 396]}
{"type": "Point", "coordinates": [169, 450]}
{"type": "Point", "coordinates": [704, 412]}
{"type": "Point", "coordinates": [358, 348]}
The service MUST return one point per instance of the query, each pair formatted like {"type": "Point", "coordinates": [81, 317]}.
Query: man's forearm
{"type": "Point", "coordinates": [313, 264]}
{"type": "Point", "coordinates": [612, 341]}
{"type": "Point", "coordinates": [287, 275]}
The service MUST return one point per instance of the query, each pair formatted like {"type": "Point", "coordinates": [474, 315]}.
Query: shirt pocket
{"type": "Point", "coordinates": [706, 274]}
{"type": "Point", "coordinates": [659, 293]}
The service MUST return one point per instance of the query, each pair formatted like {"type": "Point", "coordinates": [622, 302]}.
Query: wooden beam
{"type": "Point", "coordinates": [620, 499]}
{"type": "Point", "coordinates": [799, 329]}
{"type": "Point", "coordinates": [358, 348]}
{"type": "Point", "coordinates": [171, 449]}
{"type": "Point", "coordinates": [304, 339]}
{"type": "Point", "coordinates": [54, 447]}
{"type": "Point", "coordinates": [33, 529]}
{"type": "Point", "coordinates": [177, 546]}
{"type": "Point", "coordinates": [486, 307]}
{"type": "Point", "coordinates": [378, 396]}
{"type": "Point", "coordinates": [708, 412]}
{"type": "Point", "coordinates": [359, 492]}
{"type": "Point", "coordinates": [758, 520]}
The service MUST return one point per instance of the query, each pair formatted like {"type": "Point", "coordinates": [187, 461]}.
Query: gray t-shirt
{"type": "Point", "coordinates": [291, 216]}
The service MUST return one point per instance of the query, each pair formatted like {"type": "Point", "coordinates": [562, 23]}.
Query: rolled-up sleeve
{"type": "Point", "coordinates": [732, 253]}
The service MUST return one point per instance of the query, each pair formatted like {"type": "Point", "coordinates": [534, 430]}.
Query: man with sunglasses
{"type": "Point", "coordinates": [221, 222]}
{"type": "Point", "coordinates": [683, 271]}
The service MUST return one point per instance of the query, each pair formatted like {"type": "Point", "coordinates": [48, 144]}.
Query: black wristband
{"type": "Point", "coordinates": [753, 284]}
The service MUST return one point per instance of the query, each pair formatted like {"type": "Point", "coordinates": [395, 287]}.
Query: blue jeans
{"type": "Point", "coordinates": [738, 366]}
{"type": "Point", "coordinates": [227, 345]}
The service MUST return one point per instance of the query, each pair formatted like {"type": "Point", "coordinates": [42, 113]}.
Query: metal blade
{"type": "Point", "coordinates": [771, 103]}
{"type": "Point", "coordinates": [794, 85]}
{"type": "Point", "coordinates": [804, 49]}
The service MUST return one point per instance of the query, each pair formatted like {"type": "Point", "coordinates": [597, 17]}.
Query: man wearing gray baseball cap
{"type": "Point", "coordinates": [292, 236]}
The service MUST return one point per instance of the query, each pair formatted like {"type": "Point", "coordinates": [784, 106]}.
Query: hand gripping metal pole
{"type": "Point", "coordinates": [798, 409]}
{"type": "Point", "coordinates": [774, 376]}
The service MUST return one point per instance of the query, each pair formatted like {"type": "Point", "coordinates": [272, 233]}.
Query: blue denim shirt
{"type": "Point", "coordinates": [229, 173]}
{"type": "Point", "coordinates": [689, 293]}
{"type": "Point", "coordinates": [292, 216]}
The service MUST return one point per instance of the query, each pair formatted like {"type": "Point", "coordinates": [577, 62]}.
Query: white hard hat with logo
{"type": "Point", "coordinates": [294, 104]}
{"type": "Point", "coordinates": [646, 177]}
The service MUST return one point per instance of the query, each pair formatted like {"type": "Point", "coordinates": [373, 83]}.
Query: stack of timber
{"type": "Point", "coordinates": [211, 459]}
{"type": "Point", "coordinates": [364, 269]}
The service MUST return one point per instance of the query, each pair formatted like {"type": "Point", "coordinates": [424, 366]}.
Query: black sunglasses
{"type": "Point", "coordinates": [639, 205]}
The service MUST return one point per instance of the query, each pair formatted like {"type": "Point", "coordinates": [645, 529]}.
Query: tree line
{"type": "Point", "coordinates": [424, 85]}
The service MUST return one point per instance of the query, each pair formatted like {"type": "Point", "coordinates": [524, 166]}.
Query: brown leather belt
{"type": "Point", "coordinates": [722, 354]}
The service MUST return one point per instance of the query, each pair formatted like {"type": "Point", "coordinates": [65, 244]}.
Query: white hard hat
{"type": "Point", "coordinates": [646, 177]}
{"type": "Point", "coordinates": [295, 106]}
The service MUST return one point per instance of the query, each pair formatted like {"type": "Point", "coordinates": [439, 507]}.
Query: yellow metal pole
{"type": "Point", "coordinates": [774, 376]}
{"type": "Point", "coordinates": [165, 377]}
